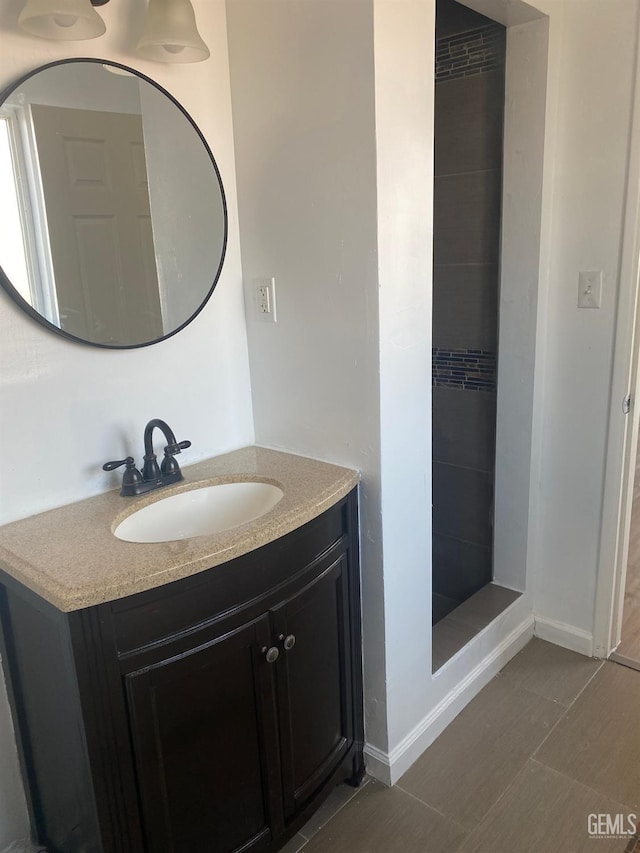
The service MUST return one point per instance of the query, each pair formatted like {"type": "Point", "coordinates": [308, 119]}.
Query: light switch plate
{"type": "Point", "coordinates": [590, 289]}
{"type": "Point", "coordinates": [265, 297]}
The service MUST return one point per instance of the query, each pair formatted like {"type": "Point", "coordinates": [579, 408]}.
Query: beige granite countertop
{"type": "Point", "coordinates": [70, 557]}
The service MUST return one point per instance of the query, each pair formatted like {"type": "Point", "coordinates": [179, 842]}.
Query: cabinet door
{"type": "Point", "coordinates": [205, 739]}
{"type": "Point", "coordinates": [314, 683]}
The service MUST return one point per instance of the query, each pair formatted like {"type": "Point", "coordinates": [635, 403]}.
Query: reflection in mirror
{"type": "Point", "coordinates": [113, 216]}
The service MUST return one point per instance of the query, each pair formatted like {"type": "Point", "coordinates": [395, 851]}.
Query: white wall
{"type": "Point", "coordinates": [303, 110]}
{"type": "Point", "coordinates": [66, 408]}
{"type": "Point", "coordinates": [404, 92]}
{"type": "Point", "coordinates": [519, 308]}
{"type": "Point", "coordinates": [591, 71]}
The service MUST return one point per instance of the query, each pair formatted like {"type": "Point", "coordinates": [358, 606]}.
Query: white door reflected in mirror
{"type": "Point", "coordinates": [93, 176]}
{"type": "Point", "coordinates": [117, 224]}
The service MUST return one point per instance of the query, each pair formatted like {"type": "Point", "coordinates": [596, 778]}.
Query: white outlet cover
{"type": "Point", "coordinates": [265, 299]}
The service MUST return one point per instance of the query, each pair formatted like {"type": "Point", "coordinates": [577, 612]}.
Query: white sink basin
{"type": "Point", "coordinates": [199, 512]}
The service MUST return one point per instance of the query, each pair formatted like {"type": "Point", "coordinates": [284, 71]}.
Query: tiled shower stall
{"type": "Point", "coordinates": [470, 74]}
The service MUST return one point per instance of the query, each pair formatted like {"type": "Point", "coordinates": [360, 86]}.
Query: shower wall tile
{"type": "Point", "coordinates": [453, 18]}
{"type": "Point", "coordinates": [468, 117]}
{"type": "Point", "coordinates": [467, 218]}
{"type": "Point", "coordinates": [464, 428]}
{"type": "Point", "coordinates": [469, 112]}
{"type": "Point", "coordinates": [462, 501]}
{"type": "Point", "coordinates": [465, 307]}
{"type": "Point", "coordinates": [459, 568]}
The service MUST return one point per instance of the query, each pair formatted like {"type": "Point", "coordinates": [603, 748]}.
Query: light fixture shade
{"type": "Point", "coordinates": [62, 20]}
{"type": "Point", "coordinates": [171, 34]}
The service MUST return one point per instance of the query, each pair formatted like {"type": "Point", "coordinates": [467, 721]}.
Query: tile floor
{"type": "Point", "coordinates": [553, 738]}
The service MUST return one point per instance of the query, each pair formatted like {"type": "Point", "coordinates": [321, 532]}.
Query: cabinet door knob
{"type": "Point", "coordinates": [271, 654]}
{"type": "Point", "coordinates": [289, 642]}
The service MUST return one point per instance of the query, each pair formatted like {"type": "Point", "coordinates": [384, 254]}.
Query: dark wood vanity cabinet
{"type": "Point", "coordinates": [210, 715]}
{"type": "Point", "coordinates": [201, 741]}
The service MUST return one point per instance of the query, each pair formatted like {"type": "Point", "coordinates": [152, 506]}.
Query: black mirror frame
{"type": "Point", "coordinates": [5, 282]}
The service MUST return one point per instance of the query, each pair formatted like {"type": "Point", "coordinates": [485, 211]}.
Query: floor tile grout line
{"type": "Point", "coordinates": [522, 770]}
{"type": "Point", "coordinates": [575, 781]}
{"type": "Point", "coordinates": [536, 692]}
{"type": "Point", "coordinates": [526, 759]}
{"type": "Point", "coordinates": [567, 709]}
{"type": "Point", "coordinates": [581, 691]}
{"type": "Point", "coordinates": [356, 791]}
{"type": "Point", "coordinates": [512, 684]}
{"type": "Point", "coordinates": [566, 775]}
{"type": "Point", "coordinates": [467, 830]}
{"type": "Point", "coordinates": [494, 805]}
{"type": "Point", "coordinates": [529, 757]}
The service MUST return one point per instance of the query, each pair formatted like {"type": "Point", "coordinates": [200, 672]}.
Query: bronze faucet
{"type": "Point", "coordinates": [153, 476]}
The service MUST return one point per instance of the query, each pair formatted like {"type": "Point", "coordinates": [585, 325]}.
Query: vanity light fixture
{"type": "Point", "coordinates": [62, 20]}
{"type": "Point", "coordinates": [171, 34]}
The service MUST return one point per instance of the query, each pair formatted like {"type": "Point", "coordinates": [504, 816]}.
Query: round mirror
{"type": "Point", "coordinates": [114, 221]}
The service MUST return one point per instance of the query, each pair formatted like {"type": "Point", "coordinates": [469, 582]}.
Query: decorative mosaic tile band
{"type": "Point", "coordinates": [468, 369]}
{"type": "Point", "coordinates": [474, 52]}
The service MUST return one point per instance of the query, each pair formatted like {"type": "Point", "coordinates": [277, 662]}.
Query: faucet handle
{"type": "Point", "coordinates": [111, 466]}
{"type": "Point", "coordinates": [172, 449]}
{"type": "Point", "coordinates": [170, 467]}
{"type": "Point", "coordinates": [131, 476]}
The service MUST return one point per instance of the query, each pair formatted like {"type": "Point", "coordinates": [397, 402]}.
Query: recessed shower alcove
{"type": "Point", "coordinates": [470, 81]}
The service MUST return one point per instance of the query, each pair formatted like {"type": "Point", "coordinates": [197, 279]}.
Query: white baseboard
{"type": "Point", "coordinates": [567, 636]}
{"type": "Point", "coordinates": [377, 764]}
{"type": "Point", "coordinates": [389, 767]}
